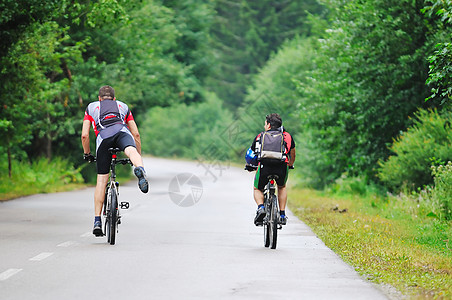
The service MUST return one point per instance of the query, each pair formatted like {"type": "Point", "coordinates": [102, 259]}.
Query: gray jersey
{"type": "Point", "coordinates": [108, 117]}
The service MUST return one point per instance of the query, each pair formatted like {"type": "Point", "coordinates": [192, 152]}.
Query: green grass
{"type": "Point", "coordinates": [389, 240]}
{"type": "Point", "coordinates": [41, 176]}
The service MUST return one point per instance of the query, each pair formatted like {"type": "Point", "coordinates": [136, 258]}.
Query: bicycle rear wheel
{"type": "Point", "coordinates": [273, 222]}
{"type": "Point", "coordinates": [113, 217]}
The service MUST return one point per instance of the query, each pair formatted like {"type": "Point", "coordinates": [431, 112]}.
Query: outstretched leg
{"type": "Point", "coordinates": [139, 172]}
{"type": "Point", "coordinates": [134, 156]}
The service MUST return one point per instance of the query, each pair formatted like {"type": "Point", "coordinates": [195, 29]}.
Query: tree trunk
{"type": "Point", "coordinates": [48, 140]}
{"type": "Point", "coordinates": [48, 146]}
{"type": "Point", "coordinates": [9, 159]}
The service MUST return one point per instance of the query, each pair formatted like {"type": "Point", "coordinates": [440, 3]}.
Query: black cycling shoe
{"type": "Point", "coordinates": [142, 181]}
{"type": "Point", "coordinates": [283, 220]}
{"type": "Point", "coordinates": [260, 215]}
{"type": "Point", "coordinates": [97, 230]}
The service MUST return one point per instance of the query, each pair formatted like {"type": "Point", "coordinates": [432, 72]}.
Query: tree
{"type": "Point", "coordinates": [36, 59]}
{"type": "Point", "coordinates": [370, 79]}
{"type": "Point", "coordinates": [245, 34]}
{"type": "Point", "coordinates": [440, 68]}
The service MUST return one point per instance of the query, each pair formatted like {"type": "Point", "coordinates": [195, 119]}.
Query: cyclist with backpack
{"type": "Point", "coordinates": [114, 127]}
{"type": "Point", "coordinates": [273, 150]}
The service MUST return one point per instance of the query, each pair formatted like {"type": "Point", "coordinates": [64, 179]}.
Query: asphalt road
{"type": "Point", "coordinates": [191, 237]}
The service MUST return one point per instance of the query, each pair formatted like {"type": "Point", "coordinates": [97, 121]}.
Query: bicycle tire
{"type": "Point", "coordinates": [107, 228]}
{"type": "Point", "coordinates": [266, 224]}
{"type": "Point", "coordinates": [273, 222]}
{"type": "Point", "coordinates": [113, 217]}
{"type": "Point", "coordinates": [266, 235]}
{"type": "Point", "coordinates": [104, 211]}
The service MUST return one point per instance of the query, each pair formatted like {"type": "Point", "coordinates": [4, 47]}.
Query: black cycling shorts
{"type": "Point", "coordinates": [120, 140]}
{"type": "Point", "coordinates": [265, 169]}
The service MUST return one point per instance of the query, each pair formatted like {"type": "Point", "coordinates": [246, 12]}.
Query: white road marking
{"type": "Point", "coordinates": [8, 273]}
{"type": "Point", "coordinates": [41, 256]}
{"type": "Point", "coordinates": [86, 234]}
{"type": "Point", "coordinates": [67, 244]}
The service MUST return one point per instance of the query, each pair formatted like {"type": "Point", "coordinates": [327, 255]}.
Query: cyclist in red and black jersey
{"type": "Point", "coordinates": [273, 122]}
{"type": "Point", "coordinates": [114, 127]}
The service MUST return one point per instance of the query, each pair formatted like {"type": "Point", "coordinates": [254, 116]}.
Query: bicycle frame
{"type": "Point", "coordinates": [112, 208]}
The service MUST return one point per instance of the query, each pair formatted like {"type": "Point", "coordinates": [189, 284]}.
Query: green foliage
{"type": "Point", "coordinates": [440, 9]}
{"type": "Point", "coordinates": [353, 186]}
{"type": "Point", "coordinates": [439, 13]}
{"type": "Point", "coordinates": [440, 196]}
{"type": "Point", "coordinates": [345, 84]}
{"type": "Point", "coordinates": [440, 74]}
{"type": "Point", "coordinates": [61, 52]}
{"type": "Point", "coordinates": [244, 36]}
{"type": "Point", "coordinates": [187, 130]}
{"type": "Point", "coordinates": [17, 16]}
{"type": "Point", "coordinates": [149, 73]}
{"type": "Point", "coordinates": [428, 141]}
{"type": "Point", "coordinates": [40, 176]}
{"type": "Point", "coordinates": [36, 74]}
{"type": "Point", "coordinates": [387, 240]}
{"type": "Point", "coordinates": [278, 80]}
{"type": "Point", "coordinates": [193, 20]}
{"type": "Point", "coordinates": [368, 80]}
{"type": "Point", "coordinates": [275, 89]}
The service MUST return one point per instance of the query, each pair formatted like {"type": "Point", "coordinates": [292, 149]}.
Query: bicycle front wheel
{"type": "Point", "coordinates": [113, 218]}
{"type": "Point", "coordinates": [267, 224]}
{"type": "Point", "coordinates": [105, 211]}
{"type": "Point", "coordinates": [267, 235]}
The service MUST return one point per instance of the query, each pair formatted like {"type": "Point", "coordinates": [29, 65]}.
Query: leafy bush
{"type": "Point", "coordinates": [427, 142]}
{"type": "Point", "coordinates": [41, 176]}
{"type": "Point", "coordinates": [351, 186]}
{"type": "Point", "coordinates": [441, 195]}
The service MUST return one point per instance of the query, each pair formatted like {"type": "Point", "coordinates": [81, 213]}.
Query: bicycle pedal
{"type": "Point", "coordinates": [279, 226]}
{"type": "Point", "coordinates": [125, 205]}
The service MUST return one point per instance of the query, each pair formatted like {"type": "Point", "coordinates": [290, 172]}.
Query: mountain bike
{"type": "Point", "coordinates": [271, 220]}
{"type": "Point", "coordinates": [111, 214]}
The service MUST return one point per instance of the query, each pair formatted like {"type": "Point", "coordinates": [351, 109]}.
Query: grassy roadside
{"type": "Point", "coordinates": [44, 176]}
{"type": "Point", "coordinates": [41, 176]}
{"type": "Point", "coordinates": [386, 239]}
{"type": "Point", "coordinates": [17, 191]}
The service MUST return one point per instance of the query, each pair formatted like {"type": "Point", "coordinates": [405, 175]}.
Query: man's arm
{"type": "Point", "coordinates": [292, 157]}
{"type": "Point", "coordinates": [136, 134]}
{"type": "Point", "coordinates": [85, 136]}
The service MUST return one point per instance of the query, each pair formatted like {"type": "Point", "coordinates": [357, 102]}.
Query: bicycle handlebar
{"type": "Point", "coordinates": [251, 168]}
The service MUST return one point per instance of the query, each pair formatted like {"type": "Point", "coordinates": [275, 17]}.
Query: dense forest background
{"type": "Point", "coordinates": [364, 86]}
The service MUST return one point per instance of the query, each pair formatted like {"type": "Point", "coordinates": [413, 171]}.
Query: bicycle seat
{"type": "Point", "coordinates": [270, 177]}
{"type": "Point", "coordinates": [114, 150]}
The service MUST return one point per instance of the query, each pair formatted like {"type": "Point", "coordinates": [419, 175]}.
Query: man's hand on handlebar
{"type": "Point", "coordinates": [89, 157]}
{"type": "Point", "coordinates": [250, 168]}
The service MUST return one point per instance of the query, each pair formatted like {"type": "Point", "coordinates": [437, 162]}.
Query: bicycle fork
{"type": "Point", "coordinates": [114, 186]}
